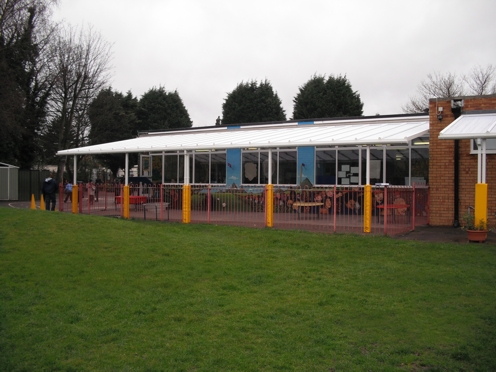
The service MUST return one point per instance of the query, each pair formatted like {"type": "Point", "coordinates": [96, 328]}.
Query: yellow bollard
{"type": "Point", "coordinates": [269, 202]}
{"type": "Point", "coordinates": [125, 201]}
{"type": "Point", "coordinates": [480, 213]}
{"type": "Point", "coordinates": [75, 199]}
{"type": "Point", "coordinates": [367, 214]}
{"type": "Point", "coordinates": [33, 202]}
{"type": "Point", "coordinates": [42, 203]}
{"type": "Point", "coordinates": [186, 203]}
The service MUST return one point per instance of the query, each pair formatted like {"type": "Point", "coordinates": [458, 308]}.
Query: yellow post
{"type": "Point", "coordinates": [33, 203]}
{"type": "Point", "coordinates": [367, 209]}
{"type": "Point", "coordinates": [269, 205]}
{"type": "Point", "coordinates": [480, 213]}
{"type": "Point", "coordinates": [42, 203]}
{"type": "Point", "coordinates": [75, 199]}
{"type": "Point", "coordinates": [186, 203]}
{"type": "Point", "coordinates": [125, 202]}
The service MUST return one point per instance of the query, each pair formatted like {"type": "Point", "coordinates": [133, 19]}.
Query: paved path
{"type": "Point", "coordinates": [17, 204]}
{"type": "Point", "coordinates": [443, 234]}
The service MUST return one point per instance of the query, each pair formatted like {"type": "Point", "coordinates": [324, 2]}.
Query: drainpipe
{"type": "Point", "coordinates": [456, 221]}
{"type": "Point", "coordinates": [456, 109]}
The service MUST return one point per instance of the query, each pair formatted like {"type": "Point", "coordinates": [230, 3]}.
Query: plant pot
{"type": "Point", "coordinates": [477, 235]}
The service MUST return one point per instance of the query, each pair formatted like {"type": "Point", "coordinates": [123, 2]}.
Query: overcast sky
{"type": "Point", "coordinates": [204, 48]}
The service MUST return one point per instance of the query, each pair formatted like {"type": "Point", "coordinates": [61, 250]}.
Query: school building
{"type": "Point", "coordinates": [451, 150]}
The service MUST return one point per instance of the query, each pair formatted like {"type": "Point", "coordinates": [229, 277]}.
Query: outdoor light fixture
{"type": "Point", "coordinates": [439, 113]}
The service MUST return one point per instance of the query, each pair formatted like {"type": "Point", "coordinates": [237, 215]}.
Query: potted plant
{"type": "Point", "coordinates": [476, 231]}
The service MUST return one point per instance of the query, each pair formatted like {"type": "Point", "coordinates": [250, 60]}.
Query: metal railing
{"type": "Point", "coordinates": [326, 209]}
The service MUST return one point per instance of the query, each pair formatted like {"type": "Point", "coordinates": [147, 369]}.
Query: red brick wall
{"type": "Point", "coordinates": [441, 165]}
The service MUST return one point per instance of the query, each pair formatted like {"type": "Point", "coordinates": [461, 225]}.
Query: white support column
{"type": "Point", "coordinates": [384, 157]}
{"type": "Point", "coordinates": [270, 167]}
{"type": "Point", "coordinates": [126, 170]}
{"type": "Point", "coordinates": [483, 160]}
{"type": "Point", "coordinates": [367, 172]}
{"type": "Point", "coordinates": [478, 141]}
{"type": "Point", "coordinates": [186, 168]}
{"type": "Point", "coordinates": [75, 171]}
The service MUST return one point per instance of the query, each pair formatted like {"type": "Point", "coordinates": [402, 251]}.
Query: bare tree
{"type": "Point", "coordinates": [14, 13]}
{"type": "Point", "coordinates": [81, 62]}
{"type": "Point", "coordinates": [481, 81]}
{"type": "Point", "coordinates": [25, 31]}
{"type": "Point", "coordinates": [436, 85]}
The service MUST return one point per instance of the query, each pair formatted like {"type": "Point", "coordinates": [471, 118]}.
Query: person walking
{"type": "Point", "coordinates": [49, 189]}
{"type": "Point", "coordinates": [91, 191]}
{"type": "Point", "coordinates": [68, 191]}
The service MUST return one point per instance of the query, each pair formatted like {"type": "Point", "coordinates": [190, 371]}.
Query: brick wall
{"type": "Point", "coordinates": [441, 165]}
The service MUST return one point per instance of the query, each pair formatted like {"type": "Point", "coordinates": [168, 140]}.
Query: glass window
{"type": "Point", "coordinates": [157, 168]}
{"type": "Point", "coordinates": [201, 167]}
{"type": "Point", "coordinates": [397, 166]}
{"type": "Point", "coordinates": [490, 146]}
{"type": "Point", "coordinates": [264, 168]}
{"type": "Point", "coordinates": [326, 167]}
{"type": "Point", "coordinates": [218, 167]}
{"type": "Point", "coordinates": [251, 165]}
{"type": "Point", "coordinates": [349, 167]}
{"type": "Point", "coordinates": [286, 167]}
{"type": "Point", "coordinates": [420, 165]}
{"type": "Point", "coordinates": [173, 168]}
{"type": "Point", "coordinates": [376, 168]}
{"type": "Point", "coordinates": [145, 166]}
{"type": "Point", "coordinates": [256, 167]}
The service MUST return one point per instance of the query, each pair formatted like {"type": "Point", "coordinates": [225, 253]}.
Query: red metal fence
{"type": "Point", "coordinates": [332, 209]}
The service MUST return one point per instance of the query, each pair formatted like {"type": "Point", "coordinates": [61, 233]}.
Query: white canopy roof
{"type": "Point", "coordinates": [467, 126]}
{"type": "Point", "coordinates": [362, 131]}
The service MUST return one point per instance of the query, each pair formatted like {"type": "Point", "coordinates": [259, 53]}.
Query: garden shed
{"type": "Point", "coordinates": [9, 179]}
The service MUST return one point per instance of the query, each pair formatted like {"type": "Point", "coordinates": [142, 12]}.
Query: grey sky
{"type": "Point", "coordinates": [203, 48]}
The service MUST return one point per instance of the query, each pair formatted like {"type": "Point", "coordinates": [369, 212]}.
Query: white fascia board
{"type": "Point", "coordinates": [455, 136]}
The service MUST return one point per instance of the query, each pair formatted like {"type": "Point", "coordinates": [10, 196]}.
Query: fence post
{"type": "Point", "coordinates": [105, 190]}
{"type": "Point", "coordinates": [162, 202]}
{"type": "Point", "coordinates": [334, 208]}
{"type": "Point", "coordinates": [385, 210]}
{"type": "Point", "coordinates": [209, 202]}
{"type": "Point", "coordinates": [413, 211]}
{"type": "Point", "coordinates": [80, 198]}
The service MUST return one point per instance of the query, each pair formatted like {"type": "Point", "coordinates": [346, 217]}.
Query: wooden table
{"type": "Point", "coordinates": [298, 205]}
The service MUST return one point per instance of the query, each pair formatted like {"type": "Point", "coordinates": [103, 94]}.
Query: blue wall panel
{"type": "Point", "coordinates": [306, 164]}
{"type": "Point", "coordinates": [233, 167]}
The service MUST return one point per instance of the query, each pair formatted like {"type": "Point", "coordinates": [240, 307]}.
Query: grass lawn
{"type": "Point", "coordinates": [87, 293]}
